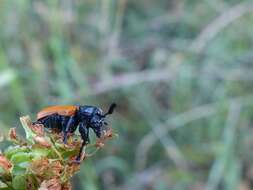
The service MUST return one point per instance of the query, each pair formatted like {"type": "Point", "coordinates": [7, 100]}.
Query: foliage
{"type": "Point", "coordinates": [42, 161]}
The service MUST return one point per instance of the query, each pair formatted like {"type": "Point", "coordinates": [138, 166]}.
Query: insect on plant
{"type": "Point", "coordinates": [66, 119]}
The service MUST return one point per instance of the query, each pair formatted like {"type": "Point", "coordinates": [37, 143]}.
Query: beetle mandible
{"type": "Point", "coordinates": [66, 119]}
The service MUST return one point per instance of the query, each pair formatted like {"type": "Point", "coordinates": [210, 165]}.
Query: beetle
{"type": "Point", "coordinates": [66, 119]}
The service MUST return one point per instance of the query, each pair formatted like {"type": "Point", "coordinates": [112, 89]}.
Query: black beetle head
{"type": "Point", "coordinates": [95, 118]}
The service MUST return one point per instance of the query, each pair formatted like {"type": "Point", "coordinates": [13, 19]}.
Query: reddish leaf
{"type": "Point", "coordinates": [42, 141]}
{"type": "Point", "coordinates": [52, 184]}
{"type": "Point", "coordinates": [5, 163]}
{"type": "Point", "coordinates": [13, 134]}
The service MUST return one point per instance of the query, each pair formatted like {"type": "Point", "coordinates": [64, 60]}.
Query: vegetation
{"type": "Point", "coordinates": [180, 71]}
{"type": "Point", "coordinates": [42, 161]}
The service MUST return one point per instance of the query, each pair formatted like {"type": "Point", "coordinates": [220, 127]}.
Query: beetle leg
{"type": "Point", "coordinates": [84, 131]}
{"type": "Point", "coordinates": [67, 129]}
{"type": "Point", "coordinates": [80, 151]}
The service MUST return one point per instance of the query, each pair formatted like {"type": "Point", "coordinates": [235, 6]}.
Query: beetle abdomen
{"type": "Point", "coordinates": [52, 122]}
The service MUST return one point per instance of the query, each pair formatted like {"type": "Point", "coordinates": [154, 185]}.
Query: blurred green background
{"type": "Point", "coordinates": [181, 72]}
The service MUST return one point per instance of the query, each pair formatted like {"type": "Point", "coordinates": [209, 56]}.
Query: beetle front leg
{"type": "Point", "coordinates": [84, 131]}
{"type": "Point", "coordinates": [67, 129]}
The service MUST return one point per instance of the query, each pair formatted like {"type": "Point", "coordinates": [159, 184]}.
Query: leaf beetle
{"type": "Point", "coordinates": [66, 119]}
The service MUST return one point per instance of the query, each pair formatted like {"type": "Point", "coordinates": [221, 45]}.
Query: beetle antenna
{"type": "Point", "coordinates": [111, 109]}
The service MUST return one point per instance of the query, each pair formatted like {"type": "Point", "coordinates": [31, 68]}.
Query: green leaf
{"type": "Point", "coordinates": [19, 182]}
{"type": "Point", "coordinates": [10, 151]}
{"type": "Point", "coordinates": [29, 133]}
{"type": "Point", "coordinates": [2, 170]}
{"type": "Point", "coordinates": [21, 157]}
{"type": "Point", "coordinates": [24, 164]}
{"type": "Point", "coordinates": [38, 153]}
{"type": "Point", "coordinates": [2, 185]}
{"type": "Point", "coordinates": [70, 153]}
{"type": "Point", "coordinates": [18, 170]}
{"type": "Point", "coordinates": [6, 188]}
